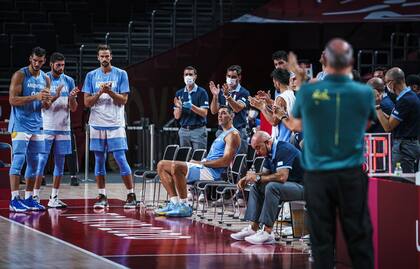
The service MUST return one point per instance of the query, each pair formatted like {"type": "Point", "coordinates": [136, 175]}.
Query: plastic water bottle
{"type": "Point", "coordinates": [398, 170]}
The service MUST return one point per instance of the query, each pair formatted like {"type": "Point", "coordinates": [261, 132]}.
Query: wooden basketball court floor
{"type": "Point", "coordinates": [81, 237]}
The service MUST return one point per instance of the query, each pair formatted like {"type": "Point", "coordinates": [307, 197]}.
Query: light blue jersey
{"type": "Point", "coordinates": [217, 151]}
{"type": "Point", "coordinates": [27, 118]}
{"type": "Point", "coordinates": [106, 114]}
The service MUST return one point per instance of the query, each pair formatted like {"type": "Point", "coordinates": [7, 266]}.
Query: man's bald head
{"type": "Point", "coordinates": [339, 54]}
{"type": "Point", "coordinates": [262, 143]}
{"type": "Point", "coordinates": [260, 136]}
{"type": "Point", "coordinates": [396, 75]}
{"type": "Point", "coordinates": [377, 84]}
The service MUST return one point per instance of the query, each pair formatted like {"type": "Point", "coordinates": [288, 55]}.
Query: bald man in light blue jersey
{"type": "Point", "coordinates": [29, 92]}
{"type": "Point", "coordinates": [106, 92]}
{"type": "Point", "coordinates": [175, 175]}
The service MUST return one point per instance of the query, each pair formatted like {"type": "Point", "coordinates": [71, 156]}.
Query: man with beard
{"type": "Point", "coordinates": [29, 92]}
{"type": "Point", "coordinates": [56, 125]}
{"type": "Point", "coordinates": [106, 92]}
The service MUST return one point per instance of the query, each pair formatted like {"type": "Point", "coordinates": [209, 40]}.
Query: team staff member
{"type": "Point", "coordinates": [404, 122]}
{"type": "Point", "coordinates": [106, 92]}
{"type": "Point", "coordinates": [235, 96]}
{"type": "Point", "coordinates": [333, 156]}
{"type": "Point", "coordinates": [191, 106]}
{"type": "Point", "coordinates": [29, 92]}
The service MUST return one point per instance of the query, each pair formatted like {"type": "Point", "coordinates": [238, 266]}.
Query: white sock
{"type": "Point", "coordinates": [130, 191]}
{"type": "Point", "coordinates": [28, 194]}
{"type": "Point", "coordinates": [36, 192]}
{"type": "Point", "coordinates": [102, 191]}
{"type": "Point", "coordinates": [174, 199]}
{"type": "Point", "coordinates": [184, 201]}
{"type": "Point", "coordinates": [54, 192]}
{"type": "Point", "coordinates": [14, 194]}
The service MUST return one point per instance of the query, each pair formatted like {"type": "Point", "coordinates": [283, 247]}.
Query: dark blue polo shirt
{"type": "Point", "coordinates": [407, 112]}
{"type": "Point", "coordinates": [199, 98]}
{"type": "Point", "coordinates": [284, 155]}
{"type": "Point", "coordinates": [386, 104]}
{"type": "Point", "coordinates": [240, 94]}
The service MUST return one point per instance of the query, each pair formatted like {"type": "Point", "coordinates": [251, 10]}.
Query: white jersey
{"type": "Point", "coordinates": [57, 116]}
{"type": "Point", "coordinates": [289, 97]}
{"type": "Point", "coordinates": [106, 113]}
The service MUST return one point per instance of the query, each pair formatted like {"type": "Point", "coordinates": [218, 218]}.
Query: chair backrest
{"type": "Point", "coordinates": [250, 154]}
{"type": "Point", "coordinates": [258, 164]}
{"type": "Point", "coordinates": [198, 154]}
{"type": "Point", "coordinates": [237, 168]}
{"type": "Point", "coordinates": [183, 154]}
{"type": "Point", "coordinates": [170, 152]}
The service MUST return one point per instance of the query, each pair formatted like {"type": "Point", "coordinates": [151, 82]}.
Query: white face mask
{"type": "Point", "coordinates": [389, 88]}
{"type": "Point", "coordinates": [230, 81]}
{"type": "Point", "coordinates": [189, 80]}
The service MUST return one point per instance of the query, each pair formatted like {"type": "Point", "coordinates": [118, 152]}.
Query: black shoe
{"type": "Point", "coordinates": [101, 202]}
{"type": "Point", "coordinates": [131, 201]}
{"type": "Point", "coordinates": [74, 181]}
{"type": "Point", "coordinates": [43, 183]}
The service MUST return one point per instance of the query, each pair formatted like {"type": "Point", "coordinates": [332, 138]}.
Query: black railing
{"type": "Point", "coordinates": [405, 47]}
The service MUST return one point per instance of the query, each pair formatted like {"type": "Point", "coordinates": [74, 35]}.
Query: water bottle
{"type": "Point", "coordinates": [398, 170]}
{"type": "Point", "coordinates": [252, 168]}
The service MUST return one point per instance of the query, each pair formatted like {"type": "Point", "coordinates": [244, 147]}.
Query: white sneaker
{"type": "Point", "coordinates": [261, 237]}
{"type": "Point", "coordinates": [247, 231]}
{"type": "Point", "coordinates": [218, 202]}
{"type": "Point", "coordinates": [190, 196]}
{"type": "Point", "coordinates": [56, 203]}
{"type": "Point", "coordinates": [201, 198]}
{"type": "Point", "coordinates": [287, 231]}
{"type": "Point", "coordinates": [240, 203]}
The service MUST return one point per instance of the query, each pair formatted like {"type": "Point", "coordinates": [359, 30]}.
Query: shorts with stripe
{"type": "Point", "coordinates": [25, 142]}
{"type": "Point", "coordinates": [198, 172]}
{"type": "Point", "coordinates": [108, 140]}
{"type": "Point", "coordinates": [62, 142]}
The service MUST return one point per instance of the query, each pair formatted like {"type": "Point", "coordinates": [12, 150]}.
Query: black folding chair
{"type": "Point", "coordinates": [198, 154]}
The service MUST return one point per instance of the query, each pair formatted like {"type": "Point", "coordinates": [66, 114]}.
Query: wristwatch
{"type": "Point", "coordinates": [257, 178]}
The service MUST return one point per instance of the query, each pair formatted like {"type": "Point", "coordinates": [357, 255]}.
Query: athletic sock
{"type": "Point", "coordinates": [36, 192]}
{"type": "Point", "coordinates": [174, 199]}
{"type": "Point", "coordinates": [102, 191]}
{"type": "Point", "coordinates": [54, 192]}
{"type": "Point", "coordinates": [28, 194]}
{"type": "Point", "coordinates": [14, 194]}
{"type": "Point", "coordinates": [184, 201]}
{"type": "Point", "coordinates": [130, 191]}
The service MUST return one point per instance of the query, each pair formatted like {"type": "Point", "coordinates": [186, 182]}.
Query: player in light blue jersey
{"type": "Point", "coordinates": [56, 125]}
{"type": "Point", "coordinates": [175, 175]}
{"type": "Point", "coordinates": [106, 92]}
{"type": "Point", "coordinates": [28, 93]}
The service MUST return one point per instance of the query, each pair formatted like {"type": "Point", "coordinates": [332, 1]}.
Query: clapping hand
{"type": "Point", "coordinates": [44, 95]}
{"type": "Point", "coordinates": [58, 90]}
{"type": "Point", "coordinates": [265, 96]}
{"type": "Point", "coordinates": [256, 102]}
{"type": "Point", "coordinates": [73, 93]}
{"type": "Point", "coordinates": [226, 90]}
{"type": "Point", "coordinates": [279, 111]}
{"type": "Point", "coordinates": [177, 102]}
{"type": "Point", "coordinates": [214, 90]}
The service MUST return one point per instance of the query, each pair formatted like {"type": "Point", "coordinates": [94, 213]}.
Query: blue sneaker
{"type": "Point", "coordinates": [17, 205]}
{"type": "Point", "coordinates": [32, 204]}
{"type": "Point", "coordinates": [180, 210]}
{"type": "Point", "coordinates": [162, 211]}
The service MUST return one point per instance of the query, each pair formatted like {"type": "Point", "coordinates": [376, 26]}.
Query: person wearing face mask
{"type": "Point", "coordinates": [191, 104]}
{"type": "Point", "coordinates": [235, 96]}
{"type": "Point", "coordinates": [404, 121]}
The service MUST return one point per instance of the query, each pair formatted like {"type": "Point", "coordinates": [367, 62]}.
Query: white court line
{"type": "Point", "coordinates": [90, 214]}
{"type": "Point", "coordinates": [204, 254]}
{"type": "Point", "coordinates": [65, 243]}
{"type": "Point", "coordinates": [157, 237]}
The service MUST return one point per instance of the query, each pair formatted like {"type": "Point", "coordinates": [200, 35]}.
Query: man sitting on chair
{"type": "Point", "coordinates": [175, 175]}
{"type": "Point", "coordinates": [280, 181]}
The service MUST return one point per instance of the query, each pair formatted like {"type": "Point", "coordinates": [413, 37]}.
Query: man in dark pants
{"type": "Point", "coordinates": [334, 113]}
{"type": "Point", "coordinates": [404, 122]}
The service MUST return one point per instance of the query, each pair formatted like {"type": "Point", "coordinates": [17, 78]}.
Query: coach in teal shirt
{"type": "Point", "coordinates": [334, 114]}
{"type": "Point", "coordinates": [335, 111]}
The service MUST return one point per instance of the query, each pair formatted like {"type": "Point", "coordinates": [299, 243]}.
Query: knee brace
{"type": "Point", "coordinates": [31, 165]}
{"type": "Point", "coordinates": [100, 169]}
{"type": "Point", "coordinates": [59, 164]}
{"type": "Point", "coordinates": [17, 164]}
{"type": "Point", "coordinates": [121, 160]}
{"type": "Point", "coordinates": [42, 161]}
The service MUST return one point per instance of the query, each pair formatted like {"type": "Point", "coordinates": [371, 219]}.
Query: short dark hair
{"type": "Point", "coordinates": [56, 56]}
{"type": "Point", "coordinates": [381, 68]}
{"type": "Point", "coordinates": [281, 75]}
{"type": "Point", "coordinates": [228, 108]}
{"type": "Point", "coordinates": [38, 51]}
{"type": "Point", "coordinates": [279, 55]}
{"type": "Point", "coordinates": [236, 68]}
{"type": "Point", "coordinates": [103, 47]}
{"type": "Point", "coordinates": [412, 80]}
{"type": "Point", "coordinates": [190, 67]}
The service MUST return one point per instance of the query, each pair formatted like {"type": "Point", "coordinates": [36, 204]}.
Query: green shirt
{"type": "Point", "coordinates": [334, 114]}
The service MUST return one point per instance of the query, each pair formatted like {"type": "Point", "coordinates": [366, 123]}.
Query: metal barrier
{"type": "Point", "coordinates": [375, 57]}
{"type": "Point", "coordinates": [395, 45]}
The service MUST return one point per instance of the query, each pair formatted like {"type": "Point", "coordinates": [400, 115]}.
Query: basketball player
{"type": "Point", "coordinates": [56, 122]}
{"type": "Point", "coordinates": [106, 92]}
{"type": "Point", "coordinates": [28, 93]}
